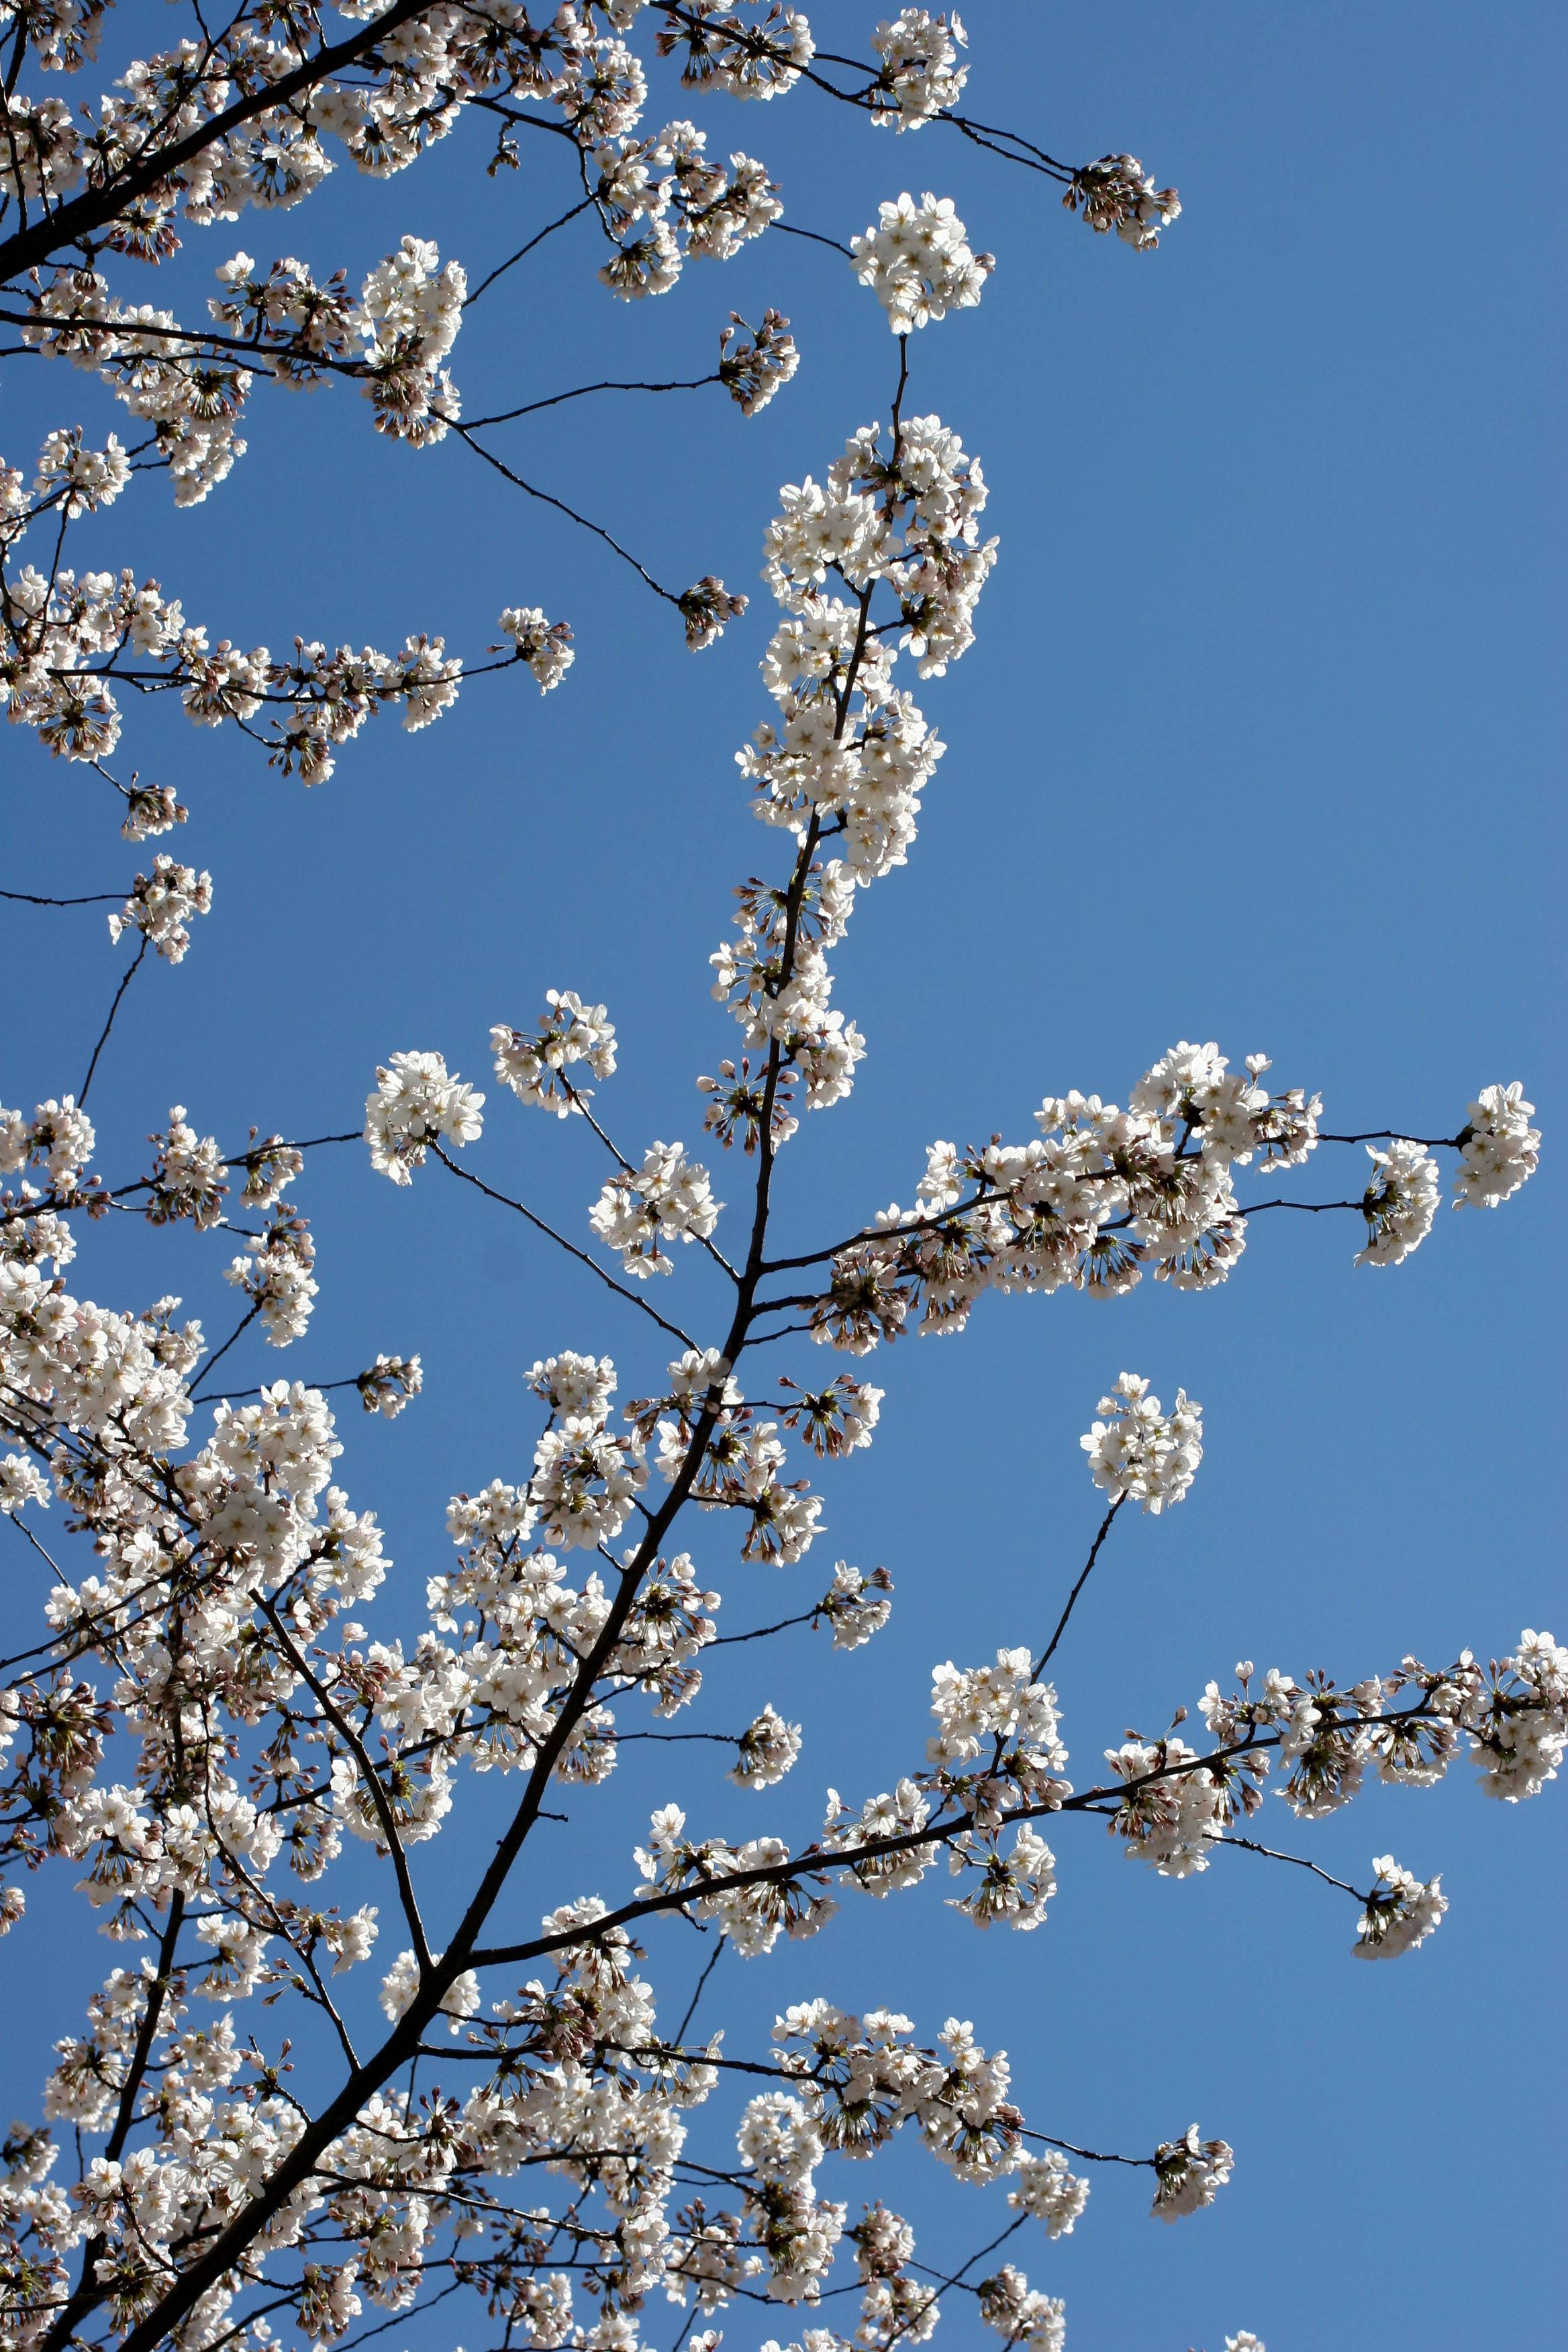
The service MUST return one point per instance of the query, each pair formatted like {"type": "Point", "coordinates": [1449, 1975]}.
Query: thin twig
{"type": "Point", "coordinates": [581, 391]}
{"type": "Point", "coordinates": [1272, 1854]}
{"type": "Point", "coordinates": [789, 229]}
{"type": "Point", "coordinates": [103, 1039]}
{"type": "Point", "coordinates": [582, 205]}
{"type": "Point", "coordinates": [376, 1793]}
{"type": "Point", "coordinates": [1308, 1208]}
{"type": "Point", "coordinates": [760, 1632]}
{"type": "Point", "coordinates": [28, 898]}
{"type": "Point", "coordinates": [212, 1396]}
{"type": "Point", "coordinates": [572, 1249]}
{"type": "Point", "coordinates": [701, 1981]}
{"type": "Point", "coordinates": [547, 497]}
{"type": "Point", "coordinates": [1050, 1650]}
{"type": "Point", "coordinates": [1396, 1135]}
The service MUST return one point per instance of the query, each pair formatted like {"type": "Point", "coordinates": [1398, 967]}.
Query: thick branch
{"type": "Point", "coordinates": [96, 208]}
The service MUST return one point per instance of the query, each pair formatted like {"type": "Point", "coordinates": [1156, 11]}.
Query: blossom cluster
{"type": "Point", "coordinates": [535, 1067]}
{"type": "Point", "coordinates": [67, 638]}
{"type": "Point", "coordinates": [920, 75]}
{"type": "Point", "coordinates": [679, 202]}
{"type": "Point", "coordinates": [545, 645]}
{"type": "Point", "coordinates": [1498, 1148]}
{"type": "Point", "coordinates": [850, 753]}
{"type": "Point", "coordinates": [59, 1138]}
{"type": "Point", "coordinates": [161, 905]}
{"type": "Point", "coordinates": [756, 361]}
{"type": "Point", "coordinates": [417, 1103]}
{"type": "Point", "coordinates": [275, 1274]}
{"type": "Point", "coordinates": [1140, 1451]}
{"type": "Point", "coordinates": [917, 262]}
{"type": "Point", "coordinates": [1116, 192]}
{"type": "Point", "coordinates": [667, 1196]}
{"type": "Point", "coordinates": [1399, 1205]}
{"type": "Point", "coordinates": [1401, 1914]}
{"type": "Point", "coordinates": [1103, 1194]}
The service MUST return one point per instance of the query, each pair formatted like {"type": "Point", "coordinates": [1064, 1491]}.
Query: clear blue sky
{"type": "Point", "coordinates": [1261, 742]}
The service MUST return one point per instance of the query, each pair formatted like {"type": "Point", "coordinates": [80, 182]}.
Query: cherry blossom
{"type": "Point", "coordinates": [1191, 2172]}
{"type": "Point", "coordinates": [416, 1104]}
{"type": "Point", "coordinates": [667, 1196]}
{"type": "Point", "coordinates": [1140, 1451]}
{"type": "Point", "coordinates": [161, 905]}
{"type": "Point", "coordinates": [1401, 1914]}
{"type": "Point", "coordinates": [917, 263]}
{"type": "Point", "coordinates": [1499, 1148]}
{"type": "Point", "coordinates": [920, 71]}
{"type": "Point", "coordinates": [1400, 1204]}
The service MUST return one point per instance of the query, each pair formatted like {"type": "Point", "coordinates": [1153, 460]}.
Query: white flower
{"type": "Point", "coordinates": [1116, 192]}
{"type": "Point", "coordinates": [275, 1274]}
{"type": "Point", "coordinates": [1191, 2173]}
{"type": "Point", "coordinates": [1015, 1887]}
{"type": "Point", "coordinates": [350, 1941]}
{"type": "Point", "coordinates": [767, 1749]}
{"type": "Point", "coordinates": [1525, 1741]}
{"type": "Point", "coordinates": [921, 73]}
{"type": "Point", "coordinates": [667, 1196]}
{"type": "Point", "coordinates": [1399, 1203]}
{"type": "Point", "coordinates": [755, 369]}
{"type": "Point", "coordinates": [1401, 1914]}
{"type": "Point", "coordinates": [410, 310]}
{"type": "Point", "coordinates": [917, 262]}
{"type": "Point", "coordinates": [389, 1383]}
{"type": "Point", "coordinates": [161, 905]}
{"type": "Point", "coordinates": [1499, 1150]}
{"type": "Point", "coordinates": [534, 1067]}
{"type": "Point", "coordinates": [848, 1607]}
{"type": "Point", "coordinates": [189, 1179]}
{"type": "Point", "coordinates": [1020, 2313]}
{"type": "Point", "coordinates": [58, 1136]}
{"type": "Point", "coordinates": [1172, 1823]}
{"type": "Point", "coordinates": [1142, 1451]}
{"type": "Point", "coordinates": [582, 1385]}
{"type": "Point", "coordinates": [400, 1983]}
{"type": "Point", "coordinates": [1000, 1702]}
{"type": "Point", "coordinates": [545, 645]}
{"type": "Point", "coordinates": [778, 2139]}
{"type": "Point", "coordinates": [415, 1102]}
{"type": "Point", "coordinates": [1048, 2191]}
{"type": "Point", "coordinates": [584, 1482]}
{"type": "Point", "coordinates": [22, 1482]}
{"type": "Point", "coordinates": [81, 479]}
